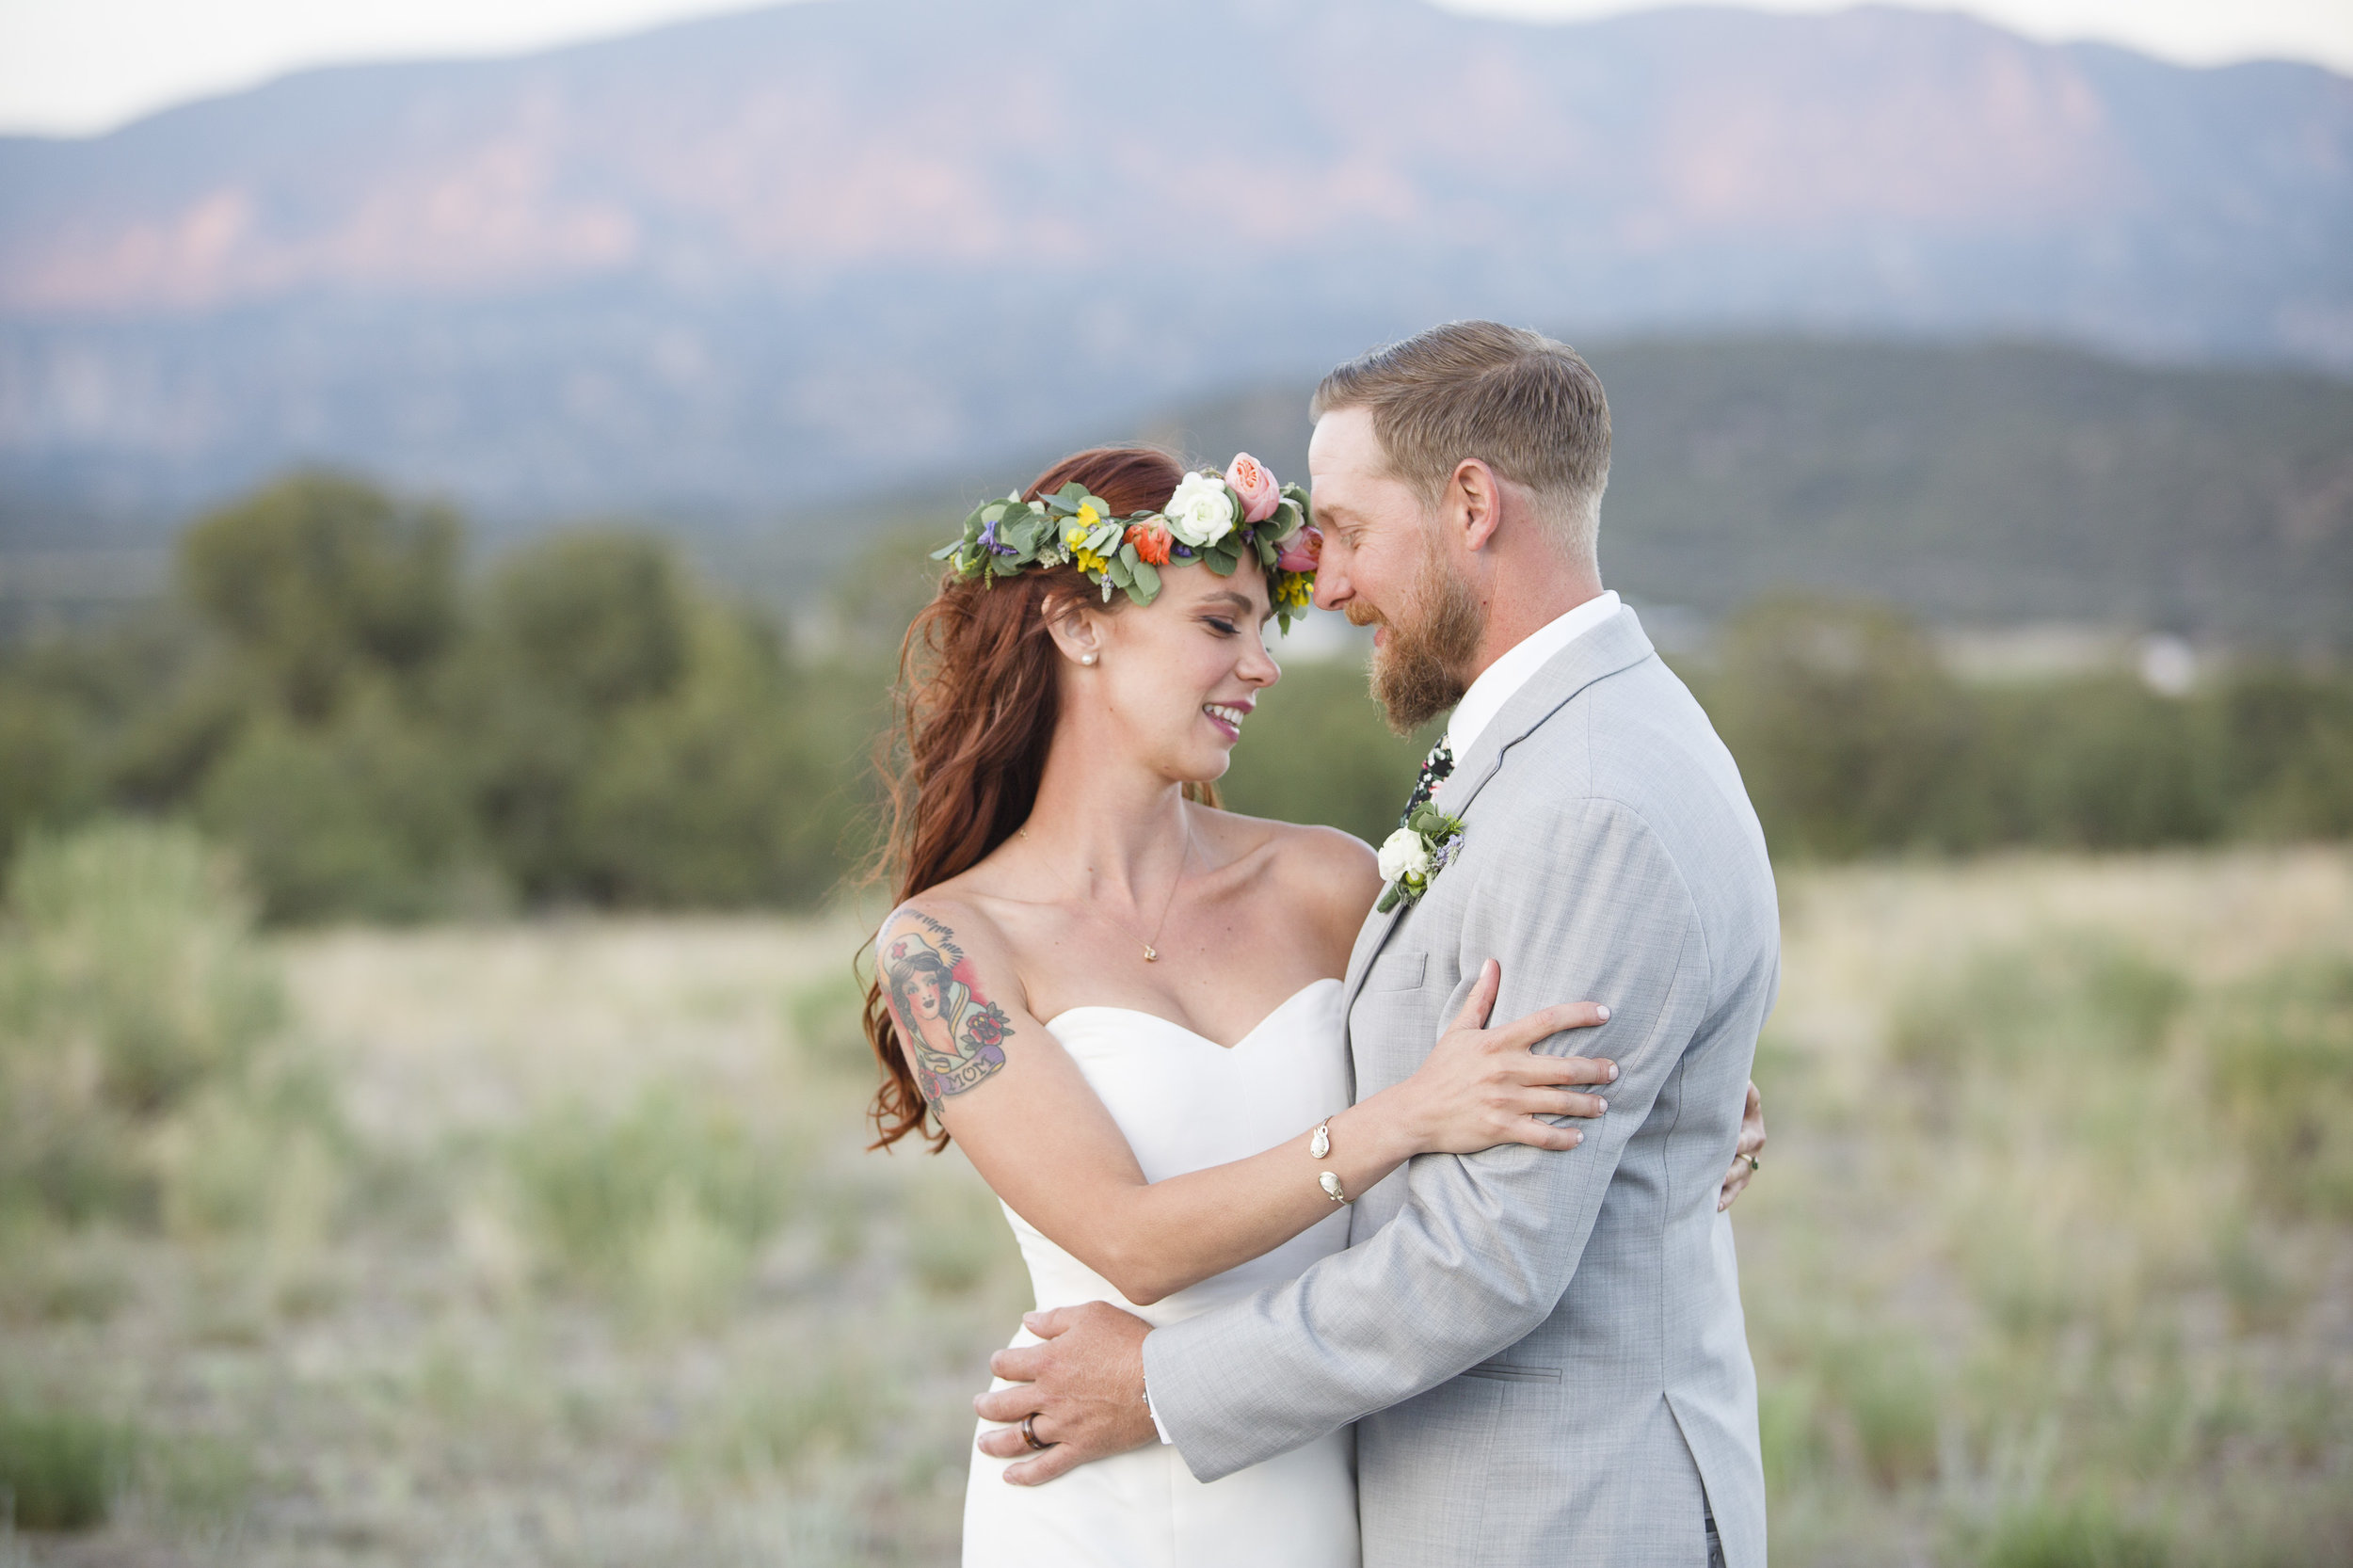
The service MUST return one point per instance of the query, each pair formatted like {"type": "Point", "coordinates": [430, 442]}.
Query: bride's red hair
{"type": "Point", "coordinates": [976, 702]}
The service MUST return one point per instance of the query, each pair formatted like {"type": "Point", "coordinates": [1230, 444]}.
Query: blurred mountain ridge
{"type": "Point", "coordinates": [1980, 485]}
{"type": "Point", "coordinates": [742, 267]}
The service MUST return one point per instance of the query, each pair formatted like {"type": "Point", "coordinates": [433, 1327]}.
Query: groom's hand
{"type": "Point", "coordinates": [1084, 1384]}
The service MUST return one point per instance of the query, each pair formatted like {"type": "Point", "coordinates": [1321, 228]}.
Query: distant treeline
{"type": "Point", "coordinates": [380, 735]}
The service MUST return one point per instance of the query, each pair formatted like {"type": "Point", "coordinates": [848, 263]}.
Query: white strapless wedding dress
{"type": "Point", "coordinates": [1185, 1103]}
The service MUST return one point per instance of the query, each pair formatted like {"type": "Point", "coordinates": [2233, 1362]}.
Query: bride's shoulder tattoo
{"type": "Point", "coordinates": [956, 1034]}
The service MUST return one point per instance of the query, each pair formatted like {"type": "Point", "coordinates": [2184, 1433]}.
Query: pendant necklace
{"type": "Point", "coordinates": [1152, 948]}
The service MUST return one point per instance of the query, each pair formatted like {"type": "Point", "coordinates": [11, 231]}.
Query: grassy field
{"type": "Point", "coordinates": [556, 1243]}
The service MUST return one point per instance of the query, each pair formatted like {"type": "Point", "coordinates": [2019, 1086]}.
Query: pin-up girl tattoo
{"type": "Point", "coordinates": [956, 1034]}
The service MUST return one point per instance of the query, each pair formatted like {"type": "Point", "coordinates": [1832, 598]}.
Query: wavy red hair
{"type": "Point", "coordinates": [976, 702]}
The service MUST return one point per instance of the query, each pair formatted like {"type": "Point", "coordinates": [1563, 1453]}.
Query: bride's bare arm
{"type": "Point", "coordinates": [1027, 1118]}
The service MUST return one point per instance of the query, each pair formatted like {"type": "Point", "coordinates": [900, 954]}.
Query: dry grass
{"type": "Point", "coordinates": [2046, 1268]}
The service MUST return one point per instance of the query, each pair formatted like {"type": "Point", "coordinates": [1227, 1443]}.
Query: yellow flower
{"type": "Point", "coordinates": [1294, 590]}
{"type": "Point", "coordinates": [1074, 536]}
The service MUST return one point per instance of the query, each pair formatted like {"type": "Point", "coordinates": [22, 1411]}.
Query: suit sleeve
{"type": "Point", "coordinates": [1486, 1243]}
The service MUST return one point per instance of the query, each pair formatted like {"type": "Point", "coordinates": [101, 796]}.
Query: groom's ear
{"type": "Point", "coordinates": [1475, 503]}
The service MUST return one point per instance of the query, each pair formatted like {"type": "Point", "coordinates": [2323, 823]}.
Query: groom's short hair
{"type": "Point", "coordinates": [1530, 408]}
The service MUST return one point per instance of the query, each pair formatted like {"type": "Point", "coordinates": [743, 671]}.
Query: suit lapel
{"type": "Point", "coordinates": [1616, 644]}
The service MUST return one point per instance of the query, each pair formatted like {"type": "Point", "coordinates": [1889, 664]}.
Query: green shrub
{"type": "Point", "coordinates": [1848, 733]}
{"type": "Point", "coordinates": [2055, 997]}
{"type": "Point", "coordinates": [662, 1205]}
{"type": "Point", "coordinates": [782, 1414]}
{"type": "Point", "coordinates": [828, 1022]}
{"type": "Point", "coordinates": [61, 1469]}
{"type": "Point", "coordinates": [720, 796]}
{"type": "Point", "coordinates": [957, 1237]}
{"type": "Point", "coordinates": [2069, 1535]}
{"type": "Point", "coordinates": [1889, 1399]}
{"type": "Point", "coordinates": [320, 579]}
{"type": "Point", "coordinates": [365, 816]}
{"type": "Point", "coordinates": [2282, 1064]}
{"type": "Point", "coordinates": [128, 984]}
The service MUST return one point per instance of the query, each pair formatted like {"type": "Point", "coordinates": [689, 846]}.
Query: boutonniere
{"type": "Point", "coordinates": [1412, 856]}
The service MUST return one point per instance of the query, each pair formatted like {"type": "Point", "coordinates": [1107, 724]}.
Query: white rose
{"type": "Point", "coordinates": [1202, 511]}
{"type": "Point", "coordinates": [1402, 854]}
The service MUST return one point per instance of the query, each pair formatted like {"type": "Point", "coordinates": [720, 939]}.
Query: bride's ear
{"type": "Point", "coordinates": [1077, 629]}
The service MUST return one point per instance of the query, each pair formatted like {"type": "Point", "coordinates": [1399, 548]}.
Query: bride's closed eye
{"type": "Point", "coordinates": [1223, 627]}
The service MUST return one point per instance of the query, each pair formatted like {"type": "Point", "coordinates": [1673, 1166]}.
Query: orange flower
{"type": "Point", "coordinates": [1151, 541]}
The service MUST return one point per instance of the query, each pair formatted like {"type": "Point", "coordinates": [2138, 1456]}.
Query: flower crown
{"type": "Point", "coordinates": [1215, 519]}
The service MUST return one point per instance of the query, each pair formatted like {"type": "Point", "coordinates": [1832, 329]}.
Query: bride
{"type": "Point", "coordinates": [1124, 1002]}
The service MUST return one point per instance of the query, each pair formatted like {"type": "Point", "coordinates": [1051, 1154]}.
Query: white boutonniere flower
{"type": "Point", "coordinates": [1412, 856]}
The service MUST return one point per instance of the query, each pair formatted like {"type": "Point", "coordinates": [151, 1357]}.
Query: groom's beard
{"type": "Point", "coordinates": [1416, 669]}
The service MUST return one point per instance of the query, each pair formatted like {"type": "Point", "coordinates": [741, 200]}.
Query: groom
{"type": "Point", "coordinates": [1544, 1352]}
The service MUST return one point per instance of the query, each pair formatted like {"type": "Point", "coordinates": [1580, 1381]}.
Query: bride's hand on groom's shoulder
{"type": "Point", "coordinates": [1481, 1087]}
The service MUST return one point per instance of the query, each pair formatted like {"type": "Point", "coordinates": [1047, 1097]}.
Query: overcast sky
{"type": "Point", "coordinates": [78, 66]}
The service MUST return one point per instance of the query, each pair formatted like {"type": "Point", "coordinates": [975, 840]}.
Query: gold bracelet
{"type": "Point", "coordinates": [1330, 1182]}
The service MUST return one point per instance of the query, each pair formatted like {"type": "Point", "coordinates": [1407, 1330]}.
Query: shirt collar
{"type": "Point", "coordinates": [1500, 681]}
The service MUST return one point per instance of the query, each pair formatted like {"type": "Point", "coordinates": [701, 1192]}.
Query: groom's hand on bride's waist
{"type": "Point", "coordinates": [1084, 1384]}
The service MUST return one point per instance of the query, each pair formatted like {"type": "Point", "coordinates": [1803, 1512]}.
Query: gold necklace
{"type": "Point", "coordinates": [1152, 948]}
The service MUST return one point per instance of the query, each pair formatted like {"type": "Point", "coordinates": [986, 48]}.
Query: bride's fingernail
{"type": "Point", "coordinates": [1605, 1014]}
{"type": "Point", "coordinates": [1613, 1072]}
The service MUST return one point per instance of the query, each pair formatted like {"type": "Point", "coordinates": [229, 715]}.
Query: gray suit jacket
{"type": "Point", "coordinates": [1544, 1352]}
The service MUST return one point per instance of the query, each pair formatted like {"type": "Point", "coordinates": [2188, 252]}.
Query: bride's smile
{"type": "Point", "coordinates": [1228, 716]}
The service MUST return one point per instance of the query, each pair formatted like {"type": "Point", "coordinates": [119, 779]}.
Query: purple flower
{"type": "Point", "coordinates": [988, 538]}
{"type": "Point", "coordinates": [1181, 552]}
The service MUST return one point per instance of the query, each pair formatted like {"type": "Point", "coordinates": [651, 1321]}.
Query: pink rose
{"type": "Point", "coordinates": [1301, 551]}
{"type": "Point", "coordinates": [1259, 494]}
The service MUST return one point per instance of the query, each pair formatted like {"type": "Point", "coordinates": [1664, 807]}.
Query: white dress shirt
{"type": "Point", "coordinates": [1501, 680]}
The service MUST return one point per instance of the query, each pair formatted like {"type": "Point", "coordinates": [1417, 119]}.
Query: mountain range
{"type": "Point", "coordinates": [1984, 485]}
{"type": "Point", "coordinates": [751, 266]}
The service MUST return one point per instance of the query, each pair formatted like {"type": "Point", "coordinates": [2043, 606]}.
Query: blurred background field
{"type": "Point", "coordinates": [553, 1242]}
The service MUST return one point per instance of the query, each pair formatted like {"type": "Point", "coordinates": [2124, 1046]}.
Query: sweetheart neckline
{"type": "Point", "coordinates": [1248, 1034]}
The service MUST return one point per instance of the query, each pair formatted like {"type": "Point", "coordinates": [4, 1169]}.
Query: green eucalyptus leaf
{"type": "Point", "coordinates": [1130, 558]}
{"type": "Point", "coordinates": [1219, 560]}
{"type": "Point", "coordinates": [1147, 581]}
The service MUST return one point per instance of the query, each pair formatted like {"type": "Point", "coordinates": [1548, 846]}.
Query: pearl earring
{"type": "Point", "coordinates": [1086, 658]}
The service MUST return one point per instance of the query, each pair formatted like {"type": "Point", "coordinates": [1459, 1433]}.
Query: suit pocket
{"type": "Point", "coordinates": [1507, 1371]}
{"type": "Point", "coordinates": [1400, 972]}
